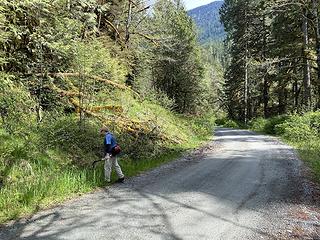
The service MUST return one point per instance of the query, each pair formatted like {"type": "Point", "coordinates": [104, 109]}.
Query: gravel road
{"type": "Point", "coordinates": [241, 186]}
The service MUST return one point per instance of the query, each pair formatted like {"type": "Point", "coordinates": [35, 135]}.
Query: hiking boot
{"type": "Point", "coordinates": [120, 180]}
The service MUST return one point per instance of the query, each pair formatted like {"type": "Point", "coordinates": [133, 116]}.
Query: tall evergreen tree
{"type": "Point", "coordinates": [176, 66]}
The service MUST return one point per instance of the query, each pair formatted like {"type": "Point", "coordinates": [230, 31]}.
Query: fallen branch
{"type": "Point", "coordinates": [65, 93]}
{"type": "Point", "coordinates": [100, 79]}
{"type": "Point", "coordinates": [113, 27]}
{"type": "Point", "coordinates": [154, 41]}
{"type": "Point", "coordinates": [118, 109]}
{"type": "Point", "coordinates": [134, 127]}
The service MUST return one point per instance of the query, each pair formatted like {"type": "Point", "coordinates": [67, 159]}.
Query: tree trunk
{"type": "Point", "coordinates": [296, 94]}
{"type": "Point", "coordinates": [317, 32]}
{"type": "Point", "coordinates": [246, 75]}
{"type": "Point", "coordinates": [265, 96]}
{"type": "Point", "coordinates": [281, 97]}
{"type": "Point", "coordinates": [246, 87]}
{"type": "Point", "coordinates": [265, 77]}
{"type": "Point", "coordinates": [307, 75]}
{"type": "Point", "coordinates": [129, 17]}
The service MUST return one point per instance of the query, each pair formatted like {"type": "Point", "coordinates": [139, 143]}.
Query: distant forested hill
{"type": "Point", "coordinates": [207, 19]}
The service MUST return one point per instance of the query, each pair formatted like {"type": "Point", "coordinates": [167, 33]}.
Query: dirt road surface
{"type": "Point", "coordinates": [241, 186]}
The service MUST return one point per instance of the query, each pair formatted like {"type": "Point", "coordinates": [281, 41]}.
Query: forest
{"type": "Point", "coordinates": [155, 76]}
{"type": "Point", "coordinates": [274, 54]}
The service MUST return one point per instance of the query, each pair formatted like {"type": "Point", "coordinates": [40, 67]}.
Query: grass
{"type": "Point", "coordinates": [51, 163]}
{"type": "Point", "coordinates": [309, 152]}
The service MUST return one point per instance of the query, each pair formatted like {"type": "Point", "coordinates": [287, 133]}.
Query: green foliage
{"type": "Point", "coordinates": [80, 141]}
{"type": "Point", "coordinates": [258, 125]}
{"type": "Point", "coordinates": [300, 128]}
{"type": "Point", "coordinates": [176, 66]}
{"type": "Point", "coordinates": [221, 121]}
{"type": "Point", "coordinates": [15, 104]}
{"type": "Point", "coordinates": [52, 162]}
{"type": "Point", "coordinates": [94, 58]}
{"type": "Point", "coordinates": [161, 98]}
{"type": "Point", "coordinates": [203, 125]}
{"type": "Point", "coordinates": [231, 124]}
{"type": "Point", "coordinates": [291, 127]}
{"type": "Point", "coordinates": [309, 152]}
{"type": "Point", "coordinates": [267, 125]}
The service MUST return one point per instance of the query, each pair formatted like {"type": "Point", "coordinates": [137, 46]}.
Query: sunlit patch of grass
{"type": "Point", "coordinates": [309, 151]}
{"type": "Point", "coordinates": [46, 189]}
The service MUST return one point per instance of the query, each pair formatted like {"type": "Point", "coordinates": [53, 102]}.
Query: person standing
{"type": "Point", "coordinates": [110, 145]}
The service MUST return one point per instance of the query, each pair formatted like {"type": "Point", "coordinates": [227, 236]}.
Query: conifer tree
{"type": "Point", "coordinates": [176, 66]}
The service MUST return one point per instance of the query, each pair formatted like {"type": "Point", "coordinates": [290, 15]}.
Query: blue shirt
{"type": "Point", "coordinates": [109, 143]}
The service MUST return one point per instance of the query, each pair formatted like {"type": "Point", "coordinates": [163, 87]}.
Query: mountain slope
{"type": "Point", "coordinates": [207, 19]}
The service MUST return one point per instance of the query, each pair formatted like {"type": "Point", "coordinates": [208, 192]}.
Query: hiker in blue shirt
{"type": "Point", "coordinates": [111, 149]}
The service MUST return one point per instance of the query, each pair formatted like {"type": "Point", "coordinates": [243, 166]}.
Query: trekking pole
{"type": "Point", "coordinates": [95, 162]}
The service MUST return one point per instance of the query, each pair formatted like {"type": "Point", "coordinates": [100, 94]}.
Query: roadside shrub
{"type": "Point", "coordinates": [314, 120]}
{"type": "Point", "coordinates": [295, 131]}
{"type": "Point", "coordinates": [231, 124]}
{"type": "Point", "coordinates": [79, 141]}
{"type": "Point", "coordinates": [299, 128]}
{"type": "Point", "coordinates": [270, 126]}
{"type": "Point", "coordinates": [16, 105]}
{"type": "Point", "coordinates": [258, 124]}
{"type": "Point", "coordinates": [203, 125]}
{"type": "Point", "coordinates": [221, 121]}
{"type": "Point", "coordinates": [15, 152]}
{"type": "Point", "coordinates": [267, 125]}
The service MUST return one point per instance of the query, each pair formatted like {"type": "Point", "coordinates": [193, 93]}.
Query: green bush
{"type": "Point", "coordinates": [231, 124]}
{"type": "Point", "coordinates": [267, 125]}
{"type": "Point", "coordinates": [310, 152]}
{"type": "Point", "coordinates": [295, 131]}
{"type": "Point", "coordinates": [314, 121]}
{"type": "Point", "coordinates": [16, 105]}
{"type": "Point", "coordinates": [203, 125]}
{"type": "Point", "coordinates": [300, 128]}
{"type": "Point", "coordinates": [221, 121]}
{"type": "Point", "coordinates": [80, 141]}
{"type": "Point", "coordinates": [258, 124]}
{"type": "Point", "coordinates": [271, 124]}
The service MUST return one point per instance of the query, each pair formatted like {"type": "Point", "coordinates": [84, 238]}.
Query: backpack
{"type": "Point", "coordinates": [116, 150]}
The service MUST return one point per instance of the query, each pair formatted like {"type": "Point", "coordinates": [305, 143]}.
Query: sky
{"type": "Point", "coordinates": [190, 4]}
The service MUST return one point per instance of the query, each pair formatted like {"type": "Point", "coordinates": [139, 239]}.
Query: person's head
{"type": "Point", "coordinates": [104, 130]}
